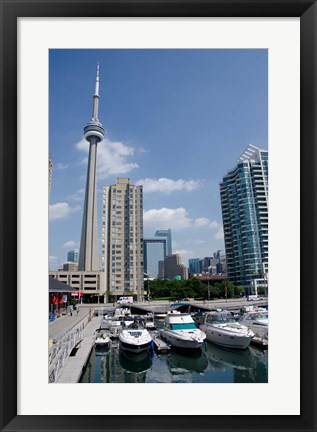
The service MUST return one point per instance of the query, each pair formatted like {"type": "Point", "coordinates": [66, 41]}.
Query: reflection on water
{"type": "Point", "coordinates": [180, 362]}
{"type": "Point", "coordinates": [211, 364]}
{"type": "Point", "coordinates": [135, 362]}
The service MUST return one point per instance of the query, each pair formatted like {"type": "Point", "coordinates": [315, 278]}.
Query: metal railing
{"type": "Point", "coordinates": [61, 350]}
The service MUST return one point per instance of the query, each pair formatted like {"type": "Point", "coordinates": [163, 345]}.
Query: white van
{"type": "Point", "coordinates": [127, 299]}
{"type": "Point", "coordinates": [253, 297]}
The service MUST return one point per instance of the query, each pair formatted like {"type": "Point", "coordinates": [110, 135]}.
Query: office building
{"type": "Point", "coordinates": [205, 263]}
{"type": "Point", "coordinates": [70, 266]}
{"type": "Point", "coordinates": [122, 239]}
{"type": "Point", "coordinates": [174, 268]}
{"type": "Point", "coordinates": [94, 133]}
{"type": "Point", "coordinates": [221, 266]}
{"type": "Point", "coordinates": [168, 235]}
{"type": "Point", "coordinates": [194, 266]}
{"type": "Point", "coordinates": [90, 284]}
{"type": "Point", "coordinates": [154, 250]}
{"type": "Point", "coordinates": [244, 203]}
{"type": "Point", "coordinates": [72, 256]}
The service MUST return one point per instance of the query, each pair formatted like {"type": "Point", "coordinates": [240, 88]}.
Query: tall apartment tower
{"type": "Point", "coordinates": [122, 239]}
{"type": "Point", "coordinates": [244, 202]}
{"type": "Point", "coordinates": [94, 133]}
{"type": "Point", "coordinates": [168, 235]}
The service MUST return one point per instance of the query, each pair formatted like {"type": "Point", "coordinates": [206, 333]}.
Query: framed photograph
{"type": "Point", "coordinates": [39, 43]}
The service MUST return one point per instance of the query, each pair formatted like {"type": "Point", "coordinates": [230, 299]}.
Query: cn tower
{"type": "Point", "coordinates": [94, 133]}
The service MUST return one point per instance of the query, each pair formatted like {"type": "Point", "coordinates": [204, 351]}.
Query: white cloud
{"type": "Point", "coordinates": [60, 211]}
{"type": "Point", "coordinates": [77, 196]}
{"type": "Point", "coordinates": [53, 259]}
{"type": "Point", "coordinates": [143, 150]}
{"type": "Point", "coordinates": [60, 166]}
{"type": "Point", "coordinates": [219, 234]}
{"type": "Point", "coordinates": [196, 242]}
{"type": "Point", "coordinates": [113, 157]}
{"type": "Point", "coordinates": [71, 244]}
{"type": "Point", "coordinates": [214, 224]}
{"type": "Point", "coordinates": [165, 218]}
{"type": "Point", "coordinates": [167, 185]}
{"type": "Point", "coordinates": [176, 219]}
{"type": "Point", "coordinates": [185, 255]}
{"type": "Point", "coordinates": [202, 221]}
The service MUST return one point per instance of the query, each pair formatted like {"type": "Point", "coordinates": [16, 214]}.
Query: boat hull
{"type": "Point", "coordinates": [134, 348]}
{"type": "Point", "coordinates": [225, 339]}
{"type": "Point", "coordinates": [177, 341]}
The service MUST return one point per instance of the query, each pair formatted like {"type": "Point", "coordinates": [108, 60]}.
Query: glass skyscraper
{"type": "Point", "coordinates": [154, 251]}
{"type": "Point", "coordinates": [168, 235]}
{"type": "Point", "coordinates": [194, 265]}
{"type": "Point", "coordinates": [244, 202]}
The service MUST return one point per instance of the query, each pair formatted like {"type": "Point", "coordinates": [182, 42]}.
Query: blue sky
{"type": "Point", "coordinates": [176, 121]}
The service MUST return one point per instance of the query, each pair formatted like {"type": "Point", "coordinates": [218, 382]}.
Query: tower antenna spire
{"type": "Point", "coordinates": [96, 97]}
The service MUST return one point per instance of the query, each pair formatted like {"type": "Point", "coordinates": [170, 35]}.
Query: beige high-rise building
{"type": "Point", "coordinates": [173, 267]}
{"type": "Point", "coordinates": [122, 240]}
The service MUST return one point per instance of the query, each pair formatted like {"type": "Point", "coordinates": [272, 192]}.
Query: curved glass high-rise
{"type": "Point", "coordinates": [244, 202]}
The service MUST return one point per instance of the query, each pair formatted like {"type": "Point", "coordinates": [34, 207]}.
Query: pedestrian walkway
{"type": "Point", "coordinates": [72, 369]}
{"type": "Point", "coordinates": [63, 324]}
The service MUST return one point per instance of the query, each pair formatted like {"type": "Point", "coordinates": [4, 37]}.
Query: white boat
{"type": "Point", "coordinates": [102, 340]}
{"type": "Point", "coordinates": [160, 315]}
{"type": "Point", "coordinates": [180, 331]}
{"type": "Point", "coordinates": [222, 329]}
{"type": "Point", "coordinates": [149, 321]}
{"type": "Point", "coordinates": [135, 338]}
{"type": "Point", "coordinates": [164, 314]}
{"type": "Point", "coordinates": [256, 319]}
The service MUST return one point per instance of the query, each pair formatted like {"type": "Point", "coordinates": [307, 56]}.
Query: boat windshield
{"type": "Point", "coordinates": [258, 316]}
{"type": "Point", "coordinates": [183, 326]}
{"type": "Point", "coordinates": [220, 319]}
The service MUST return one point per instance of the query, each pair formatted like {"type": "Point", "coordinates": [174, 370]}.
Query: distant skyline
{"type": "Point", "coordinates": [176, 121]}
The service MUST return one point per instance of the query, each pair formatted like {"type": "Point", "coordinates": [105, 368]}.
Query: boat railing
{"type": "Point", "coordinates": [61, 350]}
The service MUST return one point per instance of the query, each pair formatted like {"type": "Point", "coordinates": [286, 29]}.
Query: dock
{"type": "Point", "coordinates": [161, 346]}
{"type": "Point", "coordinates": [74, 365]}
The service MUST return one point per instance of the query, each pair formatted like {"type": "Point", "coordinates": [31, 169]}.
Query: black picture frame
{"type": "Point", "coordinates": [10, 11]}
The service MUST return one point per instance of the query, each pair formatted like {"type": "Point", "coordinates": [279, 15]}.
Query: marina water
{"type": "Point", "coordinates": [210, 364]}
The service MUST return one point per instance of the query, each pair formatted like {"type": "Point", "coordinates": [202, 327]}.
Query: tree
{"type": "Point", "coordinates": [239, 290]}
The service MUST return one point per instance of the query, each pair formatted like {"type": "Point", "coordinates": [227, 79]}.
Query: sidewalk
{"type": "Point", "coordinates": [73, 367]}
{"type": "Point", "coordinates": [64, 323]}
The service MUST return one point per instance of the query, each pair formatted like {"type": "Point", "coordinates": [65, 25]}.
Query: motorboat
{"type": "Point", "coordinates": [135, 338]}
{"type": "Point", "coordinates": [122, 311]}
{"type": "Point", "coordinates": [180, 331]}
{"type": "Point", "coordinates": [106, 321]}
{"type": "Point", "coordinates": [102, 340]}
{"type": "Point", "coordinates": [222, 329]}
{"type": "Point", "coordinates": [256, 319]}
{"type": "Point", "coordinates": [149, 321]}
{"type": "Point", "coordinates": [160, 315]}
